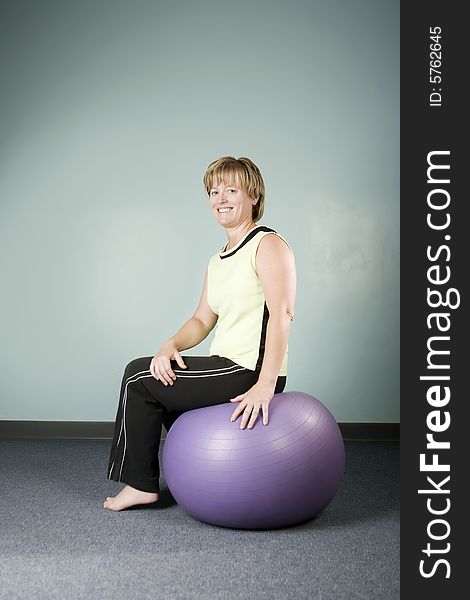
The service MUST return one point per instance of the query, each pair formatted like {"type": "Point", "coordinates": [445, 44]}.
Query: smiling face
{"type": "Point", "coordinates": [231, 205]}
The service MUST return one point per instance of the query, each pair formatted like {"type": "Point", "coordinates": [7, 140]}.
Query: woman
{"type": "Point", "coordinates": [249, 292]}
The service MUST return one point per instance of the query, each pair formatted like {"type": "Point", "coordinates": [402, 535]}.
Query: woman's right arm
{"type": "Point", "coordinates": [191, 333]}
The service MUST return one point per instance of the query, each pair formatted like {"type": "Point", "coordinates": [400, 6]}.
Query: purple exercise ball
{"type": "Point", "coordinates": [273, 475]}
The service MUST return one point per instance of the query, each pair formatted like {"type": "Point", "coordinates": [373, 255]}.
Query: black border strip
{"type": "Point", "coordinates": [103, 430]}
{"type": "Point", "coordinates": [434, 113]}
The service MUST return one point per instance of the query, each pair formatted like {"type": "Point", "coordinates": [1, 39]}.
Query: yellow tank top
{"type": "Point", "coordinates": [235, 294]}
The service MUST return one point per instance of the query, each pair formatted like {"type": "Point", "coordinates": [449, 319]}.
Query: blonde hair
{"type": "Point", "coordinates": [227, 169]}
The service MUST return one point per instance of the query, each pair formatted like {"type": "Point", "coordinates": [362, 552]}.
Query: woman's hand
{"type": "Point", "coordinates": [160, 366]}
{"type": "Point", "coordinates": [257, 397]}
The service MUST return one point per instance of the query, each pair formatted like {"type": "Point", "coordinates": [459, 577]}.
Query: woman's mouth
{"type": "Point", "coordinates": [223, 210]}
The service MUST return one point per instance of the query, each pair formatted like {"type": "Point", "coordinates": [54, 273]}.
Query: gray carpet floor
{"type": "Point", "coordinates": [57, 541]}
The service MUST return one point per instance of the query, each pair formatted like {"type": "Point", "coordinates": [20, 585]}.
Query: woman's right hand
{"type": "Point", "coordinates": [160, 366]}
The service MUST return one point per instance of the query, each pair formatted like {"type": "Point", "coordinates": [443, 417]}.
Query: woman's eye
{"type": "Point", "coordinates": [229, 189]}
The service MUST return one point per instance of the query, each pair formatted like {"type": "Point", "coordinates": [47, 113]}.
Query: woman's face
{"type": "Point", "coordinates": [231, 205]}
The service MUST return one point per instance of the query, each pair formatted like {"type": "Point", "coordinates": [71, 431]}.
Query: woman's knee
{"type": "Point", "coordinates": [137, 365]}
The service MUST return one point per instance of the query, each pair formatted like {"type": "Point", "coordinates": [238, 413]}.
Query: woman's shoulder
{"type": "Point", "coordinates": [272, 248]}
{"type": "Point", "coordinates": [273, 243]}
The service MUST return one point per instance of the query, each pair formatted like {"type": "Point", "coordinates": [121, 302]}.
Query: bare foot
{"type": "Point", "coordinates": [128, 497]}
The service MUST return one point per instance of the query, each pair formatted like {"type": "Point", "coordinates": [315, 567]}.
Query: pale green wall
{"type": "Point", "coordinates": [111, 112]}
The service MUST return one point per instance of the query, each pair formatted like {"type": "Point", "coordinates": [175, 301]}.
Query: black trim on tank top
{"type": "Point", "coordinates": [262, 340]}
{"type": "Point", "coordinates": [250, 236]}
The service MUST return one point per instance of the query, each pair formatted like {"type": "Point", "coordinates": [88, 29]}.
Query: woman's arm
{"type": "Point", "coordinates": [275, 264]}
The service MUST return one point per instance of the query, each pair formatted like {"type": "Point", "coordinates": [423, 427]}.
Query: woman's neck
{"type": "Point", "coordinates": [235, 235]}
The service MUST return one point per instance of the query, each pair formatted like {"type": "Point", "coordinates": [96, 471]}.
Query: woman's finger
{"type": "Point", "coordinates": [153, 370]}
{"type": "Point", "coordinates": [235, 414]}
{"type": "Point", "coordinates": [265, 414]}
{"type": "Point", "coordinates": [179, 360]}
{"type": "Point", "coordinates": [246, 416]}
{"type": "Point", "coordinates": [158, 369]}
{"type": "Point", "coordinates": [167, 370]}
{"type": "Point", "coordinates": [254, 416]}
{"type": "Point", "coordinates": [237, 398]}
{"type": "Point", "coordinates": [170, 372]}
{"type": "Point", "coordinates": [237, 411]}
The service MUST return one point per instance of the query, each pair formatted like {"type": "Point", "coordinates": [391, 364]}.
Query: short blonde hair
{"type": "Point", "coordinates": [227, 169]}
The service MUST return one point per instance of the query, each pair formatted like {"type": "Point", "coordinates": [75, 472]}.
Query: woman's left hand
{"type": "Point", "coordinates": [255, 399]}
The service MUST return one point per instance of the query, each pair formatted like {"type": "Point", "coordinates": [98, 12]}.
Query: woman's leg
{"type": "Point", "coordinates": [144, 414]}
{"type": "Point", "coordinates": [146, 403]}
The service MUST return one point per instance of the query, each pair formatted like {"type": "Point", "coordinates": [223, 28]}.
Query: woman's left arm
{"type": "Point", "coordinates": [275, 264]}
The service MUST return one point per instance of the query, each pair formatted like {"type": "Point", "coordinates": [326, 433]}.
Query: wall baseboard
{"type": "Point", "coordinates": [103, 430]}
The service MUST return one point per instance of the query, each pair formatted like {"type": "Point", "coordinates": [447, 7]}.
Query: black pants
{"type": "Point", "coordinates": [145, 404]}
